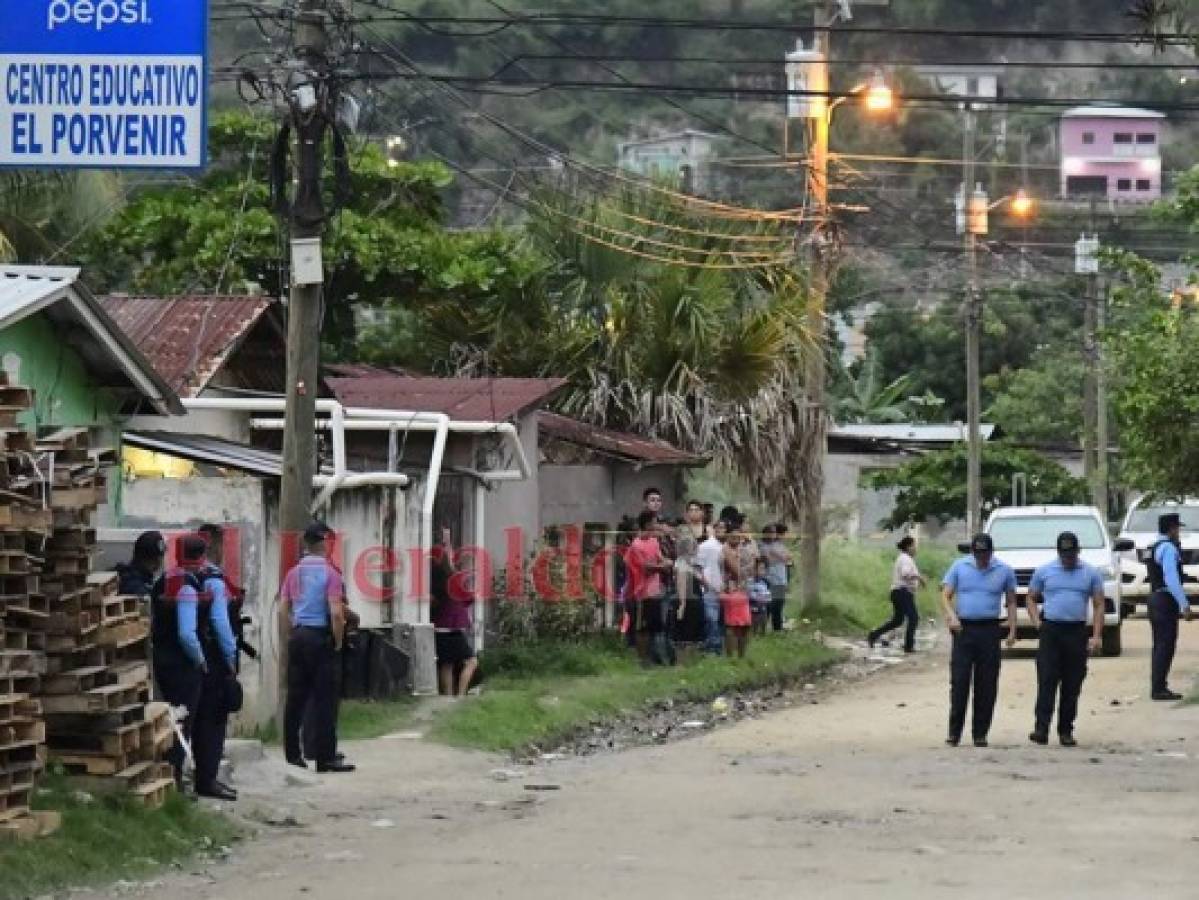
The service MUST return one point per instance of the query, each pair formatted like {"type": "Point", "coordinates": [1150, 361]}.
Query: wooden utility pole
{"type": "Point", "coordinates": [973, 317]}
{"type": "Point", "coordinates": [811, 526]}
{"type": "Point", "coordinates": [309, 124]}
{"type": "Point", "coordinates": [311, 109]}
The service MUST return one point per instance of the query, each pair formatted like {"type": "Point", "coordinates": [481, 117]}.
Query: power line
{"type": "Point", "coordinates": [787, 27]}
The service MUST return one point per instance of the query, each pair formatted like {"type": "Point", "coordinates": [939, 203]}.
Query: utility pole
{"type": "Point", "coordinates": [973, 314]}
{"type": "Point", "coordinates": [1095, 424]}
{"type": "Point", "coordinates": [309, 119]}
{"type": "Point", "coordinates": [812, 517]}
{"type": "Point", "coordinates": [310, 112]}
{"type": "Point", "coordinates": [1101, 424]}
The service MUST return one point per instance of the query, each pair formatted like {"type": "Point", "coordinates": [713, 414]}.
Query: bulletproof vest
{"type": "Point", "coordinates": [164, 612]}
{"type": "Point", "coordinates": [1157, 576]}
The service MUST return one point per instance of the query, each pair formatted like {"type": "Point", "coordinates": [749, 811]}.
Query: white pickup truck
{"type": "Point", "coordinates": [1026, 537]}
{"type": "Point", "coordinates": [1140, 527]}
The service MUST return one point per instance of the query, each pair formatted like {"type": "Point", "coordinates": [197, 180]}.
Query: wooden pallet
{"type": "Point", "coordinates": [89, 723]}
{"type": "Point", "coordinates": [22, 731]}
{"type": "Point", "coordinates": [154, 794]}
{"type": "Point", "coordinates": [81, 763]}
{"type": "Point", "coordinates": [107, 582]}
{"type": "Point", "coordinates": [123, 635]}
{"type": "Point", "coordinates": [97, 700]}
{"type": "Point", "coordinates": [19, 683]}
{"type": "Point", "coordinates": [77, 625]}
{"type": "Point", "coordinates": [21, 661]}
{"type": "Point", "coordinates": [19, 706]}
{"type": "Point", "coordinates": [126, 781]}
{"type": "Point", "coordinates": [75, 681]}
{"type": "Point", "coordinates": [34, 824]}
{"type": "Point", "coordinates": [135, 673]}
{"type": "Point", "coordinates": [73, 539]}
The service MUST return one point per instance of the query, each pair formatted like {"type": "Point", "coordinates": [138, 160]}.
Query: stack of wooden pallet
{"type": "Point", "coordinates": [24, 612]}
{"type": "Point", "coordinates": [101, 726]}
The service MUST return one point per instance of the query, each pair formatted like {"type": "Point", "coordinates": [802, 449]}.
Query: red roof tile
{"type": "Point", "coordinates": [186, 338]}
{"type": "Point", "coordinates": [463, 399]}
{"type": "Point", "coordinates": [620, 444]}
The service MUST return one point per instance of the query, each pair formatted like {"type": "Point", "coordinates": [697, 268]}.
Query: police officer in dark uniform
{"type": "Point", "coordinates": [138, 575]}
{"type": "Point", "coordinates": [972, 595]}
{"type": "Point", "coordinates": [313, 609]}
{"type": "Point", "coordinates": [1167, 602]}
{"type": "Point", "coordinates": [1067, 587]}
{"type": "Point", "coordinates": [220, 693]}
{"type": "Point", "coordinates": [178, 657]}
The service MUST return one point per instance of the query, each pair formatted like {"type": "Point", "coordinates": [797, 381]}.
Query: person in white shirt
{"type": "Point", "coordinates": [905, 581]}
{"type": "Point", "coordinates": [709, 559]}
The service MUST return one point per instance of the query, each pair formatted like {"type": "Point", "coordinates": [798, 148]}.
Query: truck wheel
{"type": "Point", "coordinates": [1112, 644]}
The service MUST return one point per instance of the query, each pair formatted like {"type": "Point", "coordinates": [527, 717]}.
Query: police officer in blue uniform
{"type": "Point", "coordinates": [1066, 587]}
{"type": "Point", "coordinates": [972, 595]}
{"type": "Point", "coordinates": [1167, 602]}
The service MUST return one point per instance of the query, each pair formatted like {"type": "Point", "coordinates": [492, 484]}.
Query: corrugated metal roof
{"type": "Point", "coordinates": [211, 451]}
{"type": "Point", "coordinates": [904, 433]}
{"type": "Point", "coordinates": [463, 399]}
{"type": "Point", "coordinates": [623, 445]}
{"type": "Point", "coordinates": [1111, 112]}
{"type": "Point", "coordinates": [24, 290]}
{"type": "Point", "coordinates": [187, 338]}
{"type": "Point", "coordinates": [111, 356]}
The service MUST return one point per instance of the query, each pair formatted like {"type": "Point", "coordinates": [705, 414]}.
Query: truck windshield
{"type": "Point", "coordinates": [1145, 518]}
{"type": "Point", "coordinates": [1041, 533]}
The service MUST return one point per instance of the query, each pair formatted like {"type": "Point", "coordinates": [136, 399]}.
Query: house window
{"type": "Point", "coordinates": [1088, 137]}
{"type": "Point", "coordinates": [1124, 184]}
{"type": "Point", "coordinates": [1147, 139]}
{"type": "Point", "coordinates": [972, 87]}
{"type": "Point", "coordinates": [1144, 184]}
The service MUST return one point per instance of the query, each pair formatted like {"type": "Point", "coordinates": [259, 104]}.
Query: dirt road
{"type": "Point", "coordinates": [854, 796]}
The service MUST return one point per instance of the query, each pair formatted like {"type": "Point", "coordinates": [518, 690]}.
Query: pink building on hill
{"type": "Point", "coordinates": [1111, 152]}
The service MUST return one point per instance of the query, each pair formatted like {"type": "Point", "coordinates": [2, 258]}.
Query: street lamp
{"type": "Point", "coordinates": [807, 100]}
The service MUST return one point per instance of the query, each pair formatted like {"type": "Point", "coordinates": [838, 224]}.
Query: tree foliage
{"type": "Point", "coordinates": [933, 487]}
{"type": "Point", "coordinates": [862, 396]}
{"type": "Point", "coordinates": [1152, 345]}
{"type": "Point", "coordinates": [1042, 402]}
{"type": "Point", "coordinates": [217, 232]}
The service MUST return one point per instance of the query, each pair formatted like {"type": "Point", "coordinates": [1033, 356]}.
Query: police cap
{"type": "Point", "coordinates": [1168, 521]}
{"type": "Point", "coordinates": [982, 543]}
{"type": "Point", "coordinates": [316, 532]}
{"type": "Point", "coordinates": [1067, 542]}
{"type": "Point", "coordinates": [149, 545]}
{"type": "Point", "coordinates": [192, 547]}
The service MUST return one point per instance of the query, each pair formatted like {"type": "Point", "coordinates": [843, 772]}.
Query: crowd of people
{"type": "Point", "coordinates": [704, 579]}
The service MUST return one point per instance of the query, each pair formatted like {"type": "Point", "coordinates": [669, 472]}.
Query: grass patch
{"type": "Point", "coordinates": [856, 584]}
{"type": "Point", "coordinates": [361, 720]}
{"type": "Point", "coordinates": [107, 839]}
{"type": "Point", "coordinates": [576, 684]}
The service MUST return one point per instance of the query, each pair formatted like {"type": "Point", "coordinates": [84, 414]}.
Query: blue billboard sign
{"type": "Point", "coordinates": [103, 83]}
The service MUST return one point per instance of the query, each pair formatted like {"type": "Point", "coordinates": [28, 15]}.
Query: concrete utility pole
{"type": "Point", "coordinates": [973, 315]}
{"type": "Point", "coordinates": [1095, 425]}
{"type": "Point", "coordinates": [309, 115]}
{"type": "Point", "coordinates": [811, 531]}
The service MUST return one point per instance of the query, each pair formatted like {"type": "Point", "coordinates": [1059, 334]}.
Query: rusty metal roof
{"type": "Point", "coordinates": [463, 399]}
{"type": "Point", "coordinates": [630, 447]}
{"type": "Point", "coordinates": [187, 338]}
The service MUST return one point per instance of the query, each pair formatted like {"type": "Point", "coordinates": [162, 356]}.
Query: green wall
{"type": "Point", "coordinates": [63, 391]}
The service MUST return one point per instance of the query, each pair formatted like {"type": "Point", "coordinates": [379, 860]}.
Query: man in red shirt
{"type": "Point", "coordinates": [647, 566]}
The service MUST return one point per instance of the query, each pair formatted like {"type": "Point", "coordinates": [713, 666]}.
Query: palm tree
{"type": "Point", "coordinates": [44, 214]}
{"type": "Point", "coordinates": [864, 398]}
{"type": "Point", "coordinates": [667, 321]}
